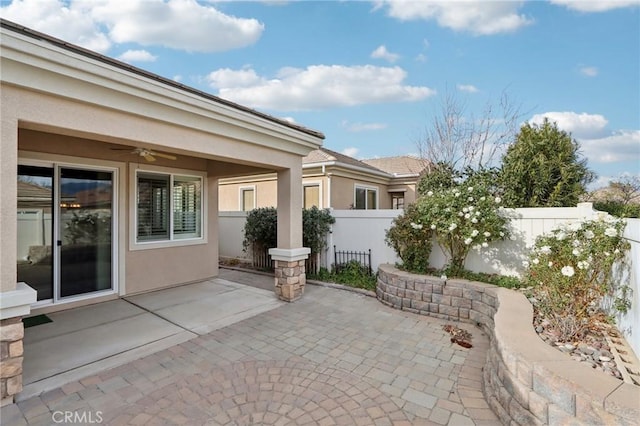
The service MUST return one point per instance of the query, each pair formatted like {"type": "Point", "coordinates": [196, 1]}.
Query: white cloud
{"type": "Point", "coordinates": [351, 151]}
{"type": "Point", "coordinates": [137, 56]}
{"type": "Point", "coordinates": [382, 53]}
{"type": "Point", "coordinates": [594, 5]}
{"type": "Point", "coordinates": [316, 87]}
{"type": "Point", "coordinates": [579, 125]}
{"type": "Point", "coordinates": [477, 17]}
{"type": "Point", "coordinates": [621, 146]}
{"type": "Point", "coordinates": [469, 88]}
{"type": "Point", "coordinates": [177, 78]}
{"type": "Point", "coordinates": [97, 24]}
{"type": "Point", "coordinates": [178, 24]}
{"type": "Point", "coordinates": [71, 23]}
{"type": "Point", "coordinates": [363, 127]}
{"type": "Point", "coordinates": [589, 71]}
{"type": "Point", "coordinates": [421, 57]}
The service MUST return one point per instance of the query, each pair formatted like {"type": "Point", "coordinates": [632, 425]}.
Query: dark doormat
{"type": "Point", "coordinates": [36, 320]}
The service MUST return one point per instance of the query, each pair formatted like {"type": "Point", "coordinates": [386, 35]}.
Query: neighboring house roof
{"type": "Point", "coordinates": [135, 70]}
{"type": "Point", "coordinates": [405, 165]}
{"type": "Point", "coordinates": [327, 156]}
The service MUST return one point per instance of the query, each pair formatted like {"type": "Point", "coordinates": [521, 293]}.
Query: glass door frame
{"type": "Point", "coordinates": [115, 237]}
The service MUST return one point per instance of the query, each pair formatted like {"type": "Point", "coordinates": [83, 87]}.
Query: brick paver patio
{"type": "Point", "coordinates": [332, 358]}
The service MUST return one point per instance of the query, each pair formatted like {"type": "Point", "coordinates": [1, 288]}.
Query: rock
{"type": "Point", "coordinates": [585, 349]}
{"type": "Point", "coordinates": [539, 329]}
{"type": "Point", "coordinates": [564, 349]}
{"type": "Point", "coordinates": [604, 359]}
{"type": "Point", "coordinates": [569, 346]}
{"type": "Point", "coordinates": [606, 353]}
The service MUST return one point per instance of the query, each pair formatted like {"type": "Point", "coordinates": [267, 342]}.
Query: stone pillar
{"type": "Point", "coordinates": [13, 306]}
{"type": "Point", "coordinates": [290, 274]}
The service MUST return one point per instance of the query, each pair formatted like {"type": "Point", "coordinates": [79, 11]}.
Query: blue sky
{"type": "Point", "coordinates": [371, 74]}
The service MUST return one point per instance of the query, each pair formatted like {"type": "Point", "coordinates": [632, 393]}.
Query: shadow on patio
{"type": "Point", "coordinates": [83, 341]}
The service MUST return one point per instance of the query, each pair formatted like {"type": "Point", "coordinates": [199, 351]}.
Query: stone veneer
{"type": "Point", "coordinates": [11, 334]}
{"type": "Point", "coordinates": [290, 279]}
{"type": "Point", "coordinates": [526, 381]}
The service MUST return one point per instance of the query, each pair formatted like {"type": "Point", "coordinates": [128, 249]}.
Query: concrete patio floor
{"type": "Point", "coordinates": [333, 357]}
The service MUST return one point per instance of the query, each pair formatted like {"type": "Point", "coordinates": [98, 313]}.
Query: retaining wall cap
{"type": "Point", "coordinates": [625, 402]}
{"type": "Point", "coordinates": [579, 377]}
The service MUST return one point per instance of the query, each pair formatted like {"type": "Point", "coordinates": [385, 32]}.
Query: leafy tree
{"type": "Point", "coordinates": [543, 168]}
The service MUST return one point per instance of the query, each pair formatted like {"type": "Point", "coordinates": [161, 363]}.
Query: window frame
{"type": "Point", "coordinates": [174, 238]}
{"type": "Point", "coordinates": [312, 183]}
{"type": "Point", "coordinates": [367, 188]}
{"type": "Point", "coordinates": [241, 191]}
{"type": "Point", "coordinates": [397, 196]}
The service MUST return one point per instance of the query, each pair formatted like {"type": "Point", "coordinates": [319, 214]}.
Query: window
{"type": "Point", "coordinates": [397, 201]}
{"type": "Point", "coordinates": [169, 207]}
{"type": "Point", "coordinates": [311, 196]}
{"type": "Point", "coordinates": [247, 199]}
{"type": "Point", "coordinates": [366, 198]}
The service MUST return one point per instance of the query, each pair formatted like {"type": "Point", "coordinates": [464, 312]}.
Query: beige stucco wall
{"type": "Point", "coordinates": [85, 132]}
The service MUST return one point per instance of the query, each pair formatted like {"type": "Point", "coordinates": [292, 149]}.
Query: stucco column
{"type": "Point", "coordinates": [15, 298]}
{"type": "Point", "coordinates": [289, 257]}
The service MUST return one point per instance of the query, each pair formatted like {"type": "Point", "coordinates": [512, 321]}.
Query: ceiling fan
{"type": "Point", "coordinates": [148, 154]}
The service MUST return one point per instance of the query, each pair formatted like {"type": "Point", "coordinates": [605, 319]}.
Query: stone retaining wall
{"type": "Point", "coordinates": [526, 381]}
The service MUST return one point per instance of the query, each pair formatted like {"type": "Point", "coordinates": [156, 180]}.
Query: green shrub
{"type": "Point", "coordinates": [571, 272]}
{"type": "Point", "coordinates": [411, 240]}
{"type": "Point", "coordinates": [352, 273]}
{"type": "Point", "coordinates": [618, 209]}
{"type": "Point", "coordinates": [261, 229]}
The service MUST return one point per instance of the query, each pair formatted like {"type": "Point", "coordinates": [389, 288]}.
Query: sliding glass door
{"type": "Point", "coordinates": [86, 204]}
{"type": "Point", "coordinates": [65, 223]}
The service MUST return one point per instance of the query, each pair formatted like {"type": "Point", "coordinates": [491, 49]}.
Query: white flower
{"type": "Point", "coordinates": [575, 243]}
{"type": "Point", "coordinates": [474, 220]}
{"type": "Point", "coordinates": [452, 226]}
{"type": "Point", "coordinates": [471, 208]}
{"type": "Point", "coordinates": [469, 198]}
{"type": "Point", "coordinates": [589, 234]}
{"type": "Point", "coordinates": [498, 200]}
{"type": "Point", "coordinates": [456, 194]}
{"type": "Point", "coordinates": [606, 253]}
{"type": "Point", "coordinates": [568, 271]}
{"type": "Point", "coordinates": [443, 277]}
{"type": "Point", "coordinates": [560, 236]}
{"type": "Point", "coordinates": [487, 234]}
{"type": "Point", "coordinates": [416, 225]}
{"type": "Point", "coordinates": [429, 194]}
{"type": "Point", "coordinates": [460, 214]}
{"type": "Point", "coordinates": [610, 232]}
{"type": "Point", "coordinates": [485, 244]}
{"type": "Point", "coordinates": [576, 252]}
{"type": "Point", "coordinates": [545, 250]}
{"type": "Point", "coordinates": [433, 226]}
{"type": "Point", "coordinates": [468, 241]}
{"type": "Point", "coordinates": [465, 209]}
{"type": "Point", "coordinates": [501, 234]}
{"type": "Point", "coordinates": [483, 198]}
{"type": "Point", "coordinates": [616, 251]}
{"type": "Point", "coordinates": [575, 226]}
{"type": "Point", "coordinates": [583, 265]}
{"type": "Point", "coordinates": [525, 263]}
{"type": "Point", "coordinates": [477, 247]}
{"type": "Point", "coordinates": [535, 261]}
{"type": "Point", "coordinates": [474, 233]}
{"type": "Point", "coordinates": [550, 264]}
{"type": "Point", "coordinates": [467, 216]}
{"type": "Point", "coordinates": [470, 188]}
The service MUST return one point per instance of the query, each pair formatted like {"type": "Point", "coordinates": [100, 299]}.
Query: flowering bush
{"type": "Point", "coordinates": [464, 216]}
{"type": "Point", "coordinates": [571, 270]}
{"type": "Point", "coordinates": [411, 240]}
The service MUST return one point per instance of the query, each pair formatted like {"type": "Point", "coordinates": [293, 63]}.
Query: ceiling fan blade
{"type": "Point", "coordinates": [150, 158]}
{"type": "Point", "coordinates": [167, 156]}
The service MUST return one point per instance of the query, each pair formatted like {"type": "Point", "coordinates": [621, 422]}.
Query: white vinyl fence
{"type": "Point", "coordinates": [361, 230]}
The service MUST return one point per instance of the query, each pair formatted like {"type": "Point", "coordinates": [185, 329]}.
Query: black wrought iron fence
{"type": "Point", "coordinates": [343, 258]}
